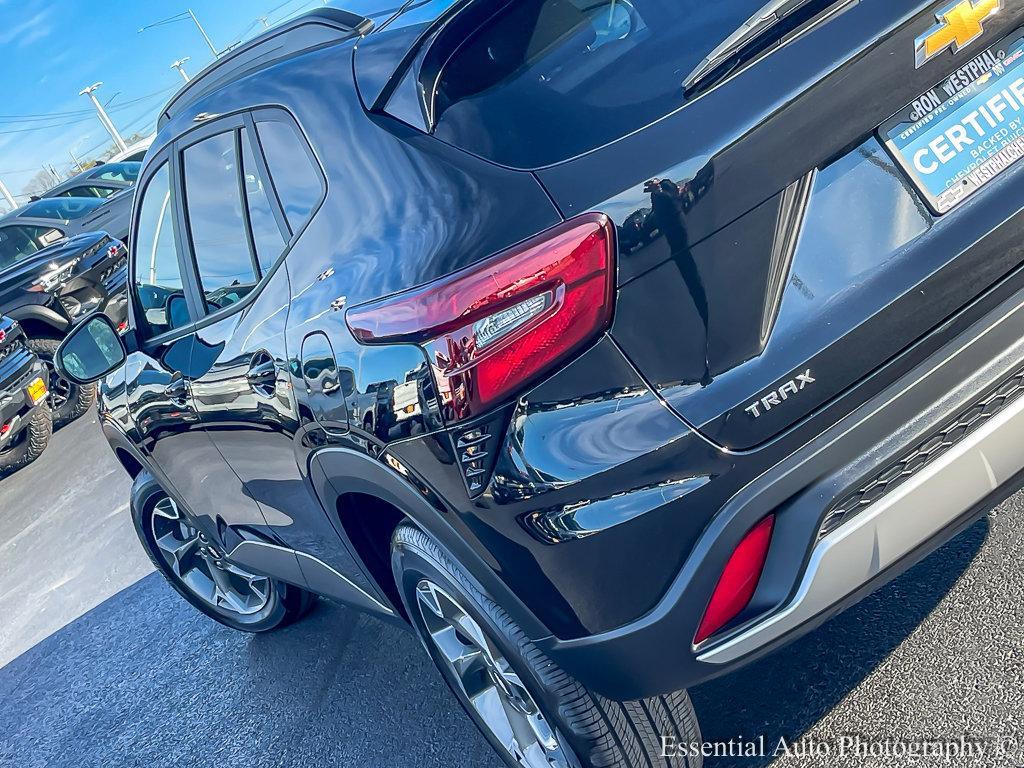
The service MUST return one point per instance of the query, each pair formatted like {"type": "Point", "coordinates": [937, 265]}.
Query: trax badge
{"type": "Point", "coordinates": [960, 24]}
{"type": "Point", "coordinates": [778, 396]}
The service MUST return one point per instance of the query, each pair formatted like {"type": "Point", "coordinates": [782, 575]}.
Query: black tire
{"type": "Point", "coordinates": [29, 443]}
{"type": "Point", "coordinates": [598, 731]}
{"type": "Point", "coordinates": [286, 603]}
{"type": "Point", "coordinates": [77, 398]}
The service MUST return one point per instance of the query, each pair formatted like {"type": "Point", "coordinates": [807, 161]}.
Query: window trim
{"type": "Point", "coordinates": [161, 159]}
{"type": "Point", "coordinates": [264, 170]}
{"type": "Point", "coordinates": [232, 124]}
{"type": "Point", "coordinates": [281, 115]}
{"type": "Point", "coordinates": [243, 203]}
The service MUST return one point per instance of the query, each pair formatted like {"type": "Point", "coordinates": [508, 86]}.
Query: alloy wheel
{"type": "Point", "coordinates": [60, 388]}
{"type": "Point", "coordinates": [201, 567]}
{"type": "Point", "coordinates": [488, 682]}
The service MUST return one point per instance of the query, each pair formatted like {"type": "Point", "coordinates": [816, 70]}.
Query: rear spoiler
{"type": "Point", "coordinates": [317, 28]}
{"type": "Point", "coordinates": [398, 48]}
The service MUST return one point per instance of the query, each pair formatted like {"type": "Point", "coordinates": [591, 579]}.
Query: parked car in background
{"type": "Point", "coordinates": [48, 283]}
{"type": "Point", "coordinates": [102, 181]}
{"type": "Point", "coordinates": [25, 420]}
{"type": "Point", "coordinates": [134, 152]}
{"type": "Point", "coordinates": [625, 470]}
{"type": "Point", "coordinates": [56, 217]}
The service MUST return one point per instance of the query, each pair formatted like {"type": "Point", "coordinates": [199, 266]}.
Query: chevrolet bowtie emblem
{"type": "Point", "coordinates": [960, 24]}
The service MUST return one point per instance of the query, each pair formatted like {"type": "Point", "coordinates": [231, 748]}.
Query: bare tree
{"type": "Point", "coordinates": [38, 184]}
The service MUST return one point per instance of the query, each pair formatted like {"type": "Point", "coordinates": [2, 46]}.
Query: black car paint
{"type": "Point", "coordinates": [635, 427]}
{"type": "Point", "coordinates": [92, 278]}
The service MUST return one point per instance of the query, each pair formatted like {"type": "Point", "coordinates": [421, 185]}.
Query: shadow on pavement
{"type": "Point", "coordinates": [144, 680]}
{"type": "Point", "coordinates": [784, 694]}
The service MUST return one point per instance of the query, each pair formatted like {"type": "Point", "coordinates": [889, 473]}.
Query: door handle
{"type": "Point", "coordinates": [177, 390]}
{"type": "Point", "coordinates": [262, 374]}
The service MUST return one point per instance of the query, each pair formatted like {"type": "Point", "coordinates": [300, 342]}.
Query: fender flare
{"type": "Point", "coordinates": [40, 313]}
{"type": "Point", "coordinates": [336, 471]}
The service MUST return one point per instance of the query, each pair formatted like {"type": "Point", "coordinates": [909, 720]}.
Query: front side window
{"type": "Point", "coordinates": [20, 242]}
{"type": "Point", "coordinates": [295, 177]}
{"type": "Point", "coordinates": [216, 220]}
{"type": "Point", "coordinates": [159, 290]}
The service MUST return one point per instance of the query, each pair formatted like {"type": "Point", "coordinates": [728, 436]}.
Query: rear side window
{"type": "Point", "coordinates": [118, 172]}
{"type": "Point", "coordinates": [542, 81]}
{"type": "Point", "coordinates": [216, 221]}
{"type": "Point", "coordinates": [266, 234]}
{"type": "Point", "coordinates": [158, 287]}
{"type": "Point", "coordinates": [293, 171]}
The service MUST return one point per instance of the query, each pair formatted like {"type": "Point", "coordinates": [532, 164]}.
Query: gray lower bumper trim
{"type": "Point", "coordinates": [892, 528]}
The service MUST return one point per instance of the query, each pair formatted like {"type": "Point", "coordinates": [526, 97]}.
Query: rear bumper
{"type": "Point", "coordinates": [892, 528]}
{"type": "Point", "coordinates": [809, 578]}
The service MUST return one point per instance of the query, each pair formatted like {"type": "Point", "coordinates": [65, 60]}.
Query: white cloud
{"type": "Point", "coordinates": [28, 31]}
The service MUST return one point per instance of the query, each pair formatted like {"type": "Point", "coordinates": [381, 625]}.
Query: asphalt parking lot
{"type": "Point", "coordinates": [101, 664]}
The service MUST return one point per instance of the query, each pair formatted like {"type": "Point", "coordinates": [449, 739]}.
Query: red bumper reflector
{"type": "Point", "coordinates": [498, 325]}
{"type": "Point", "coordinates": [738, 581]}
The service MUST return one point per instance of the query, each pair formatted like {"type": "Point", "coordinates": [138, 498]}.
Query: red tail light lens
{"type": "Point", "coordinates": [494, 327]}
{"type": "Point", "coordinates": [739, 580]}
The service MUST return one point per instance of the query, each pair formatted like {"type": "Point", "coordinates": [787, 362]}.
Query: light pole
{"type": "Point", "coordinates": [76, 161]}
{"type": "Point", "coordinates": [180, 66]}
{"type": "Point", "coordinates": [104, 118]}
{"type": "Point", "coordinates": [7, 196]}
{"type": "Point", "coordinates": [206, 37]}
{"type": "Point", "coordinates": [187, 13]}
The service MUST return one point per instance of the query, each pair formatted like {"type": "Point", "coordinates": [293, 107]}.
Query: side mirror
{"type": "Point", "coordinates": [91, 351]}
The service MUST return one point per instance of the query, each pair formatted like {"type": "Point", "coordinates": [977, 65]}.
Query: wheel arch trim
{"type": "Point", "coordinates": [338, 471]}
{"type": "Point", "coordinates": [41, 314]}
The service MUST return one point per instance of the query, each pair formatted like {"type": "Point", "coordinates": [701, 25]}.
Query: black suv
{"type": "Point", "coordinates": [48, 283]}
{"type": "Point", "coordinates": [610, 345]}
{"type": "Point", "coordinates": [25, 419]}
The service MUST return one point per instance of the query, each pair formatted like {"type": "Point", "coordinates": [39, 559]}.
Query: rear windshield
{"type": "Point", "coordinates": [66, 208]}
{"type": "Point", "coordinates": [545, 80]}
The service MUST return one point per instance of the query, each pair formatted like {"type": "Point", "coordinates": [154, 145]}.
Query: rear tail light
{"type": "Point", "coordinates": [494, 327]}
{"type": "Point", "coordinates": [738, 581]}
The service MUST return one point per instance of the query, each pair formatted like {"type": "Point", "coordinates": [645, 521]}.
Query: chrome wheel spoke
{"type": "Point", "coordinates": [166, 508]}
{"type": "Point", "coordinates": [179, 553]}
{"type": "Point", "coordinates": [489, 683]}
{"type": "Point", "coordinates": [199, 567]}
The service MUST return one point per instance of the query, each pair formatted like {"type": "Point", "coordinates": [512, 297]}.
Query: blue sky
{"type": "Point", "coordinates": [51, 49]}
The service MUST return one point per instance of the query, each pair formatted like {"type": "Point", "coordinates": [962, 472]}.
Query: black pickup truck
{"type": "Point", "coordinates": [25, 419]}
{"type": "Point", "coordinates": [48, 283]}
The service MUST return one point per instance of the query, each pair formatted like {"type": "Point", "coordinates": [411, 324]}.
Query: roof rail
{"type": "Point", "coordinates": [321, 26]}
